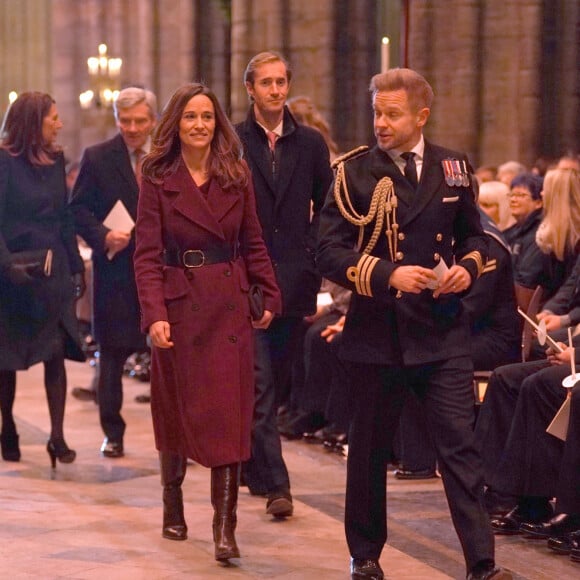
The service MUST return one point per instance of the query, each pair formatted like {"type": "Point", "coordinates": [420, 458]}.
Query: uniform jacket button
{"type": "Point", "coordinates": [437, 256]}
{"type": "Point", "coordinates": [401, 236]}
{"type": "Point", "coordinates": [439, 237]}
{"type": "Point", "coordinates": [399, 294]}
{"type": "Point", "coordinates": [399, 255]}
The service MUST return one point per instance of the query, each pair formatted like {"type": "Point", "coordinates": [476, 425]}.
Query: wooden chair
{"type": "Point", "coordinates": [529, 301]}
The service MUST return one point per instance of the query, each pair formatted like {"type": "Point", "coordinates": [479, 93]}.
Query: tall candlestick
{"type": "Point", "coordinates": [385, 56]}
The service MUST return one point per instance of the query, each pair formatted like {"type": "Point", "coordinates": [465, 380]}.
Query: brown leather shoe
{"type": "Point", "coordinates": [280, 505]}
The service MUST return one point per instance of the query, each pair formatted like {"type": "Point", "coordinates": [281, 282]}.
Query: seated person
{"type": "Point", "coordinates": [496, 416]}
{"type": "Point", "coordinates": [494, 201]}
{"type": "Point", "coordinates": [560, 312]}
{"type": "Point", "coordinates": [309, 388]}
{"type": "Point", "coordinates": [526, 208]}
{"type": "Point", "coordinates": [535, 465]}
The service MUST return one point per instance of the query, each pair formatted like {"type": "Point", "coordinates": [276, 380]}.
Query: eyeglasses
{"type": "Point", "coordinates": [517, 195]}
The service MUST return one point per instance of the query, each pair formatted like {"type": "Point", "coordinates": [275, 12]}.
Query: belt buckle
{"type": "Point", "coordinates": [198, 253]}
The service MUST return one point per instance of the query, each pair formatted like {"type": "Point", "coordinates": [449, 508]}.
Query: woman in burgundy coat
{"type": "Point", "coordinates": [199, 248]}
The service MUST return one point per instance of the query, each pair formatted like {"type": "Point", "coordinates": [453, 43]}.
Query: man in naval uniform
{"type": "Point", "coordinates": [401, 230]}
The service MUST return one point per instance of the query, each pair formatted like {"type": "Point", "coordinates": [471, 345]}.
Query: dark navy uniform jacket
{"type": "Point", "coordinates": [438, 221]}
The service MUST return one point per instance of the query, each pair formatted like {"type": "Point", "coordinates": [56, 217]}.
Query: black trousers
{"type": "Point", "coordinates": [266, 471]}
{"type": "Point", "coordinates": [568, 493]}
{"type": "Point", "coordinates": [445, 390]}
{"type": "Point", "coordinates": [111, 363]}
{"type": "Point", "coordinates": [497, 412]}
{"type": "Point", "coordinates": [530, 462]}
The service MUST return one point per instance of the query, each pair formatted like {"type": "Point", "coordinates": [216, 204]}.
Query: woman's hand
{"type": "Point", "coordinates": [264, 322]}
{"type": "Point", "coordinates": [160, 334]}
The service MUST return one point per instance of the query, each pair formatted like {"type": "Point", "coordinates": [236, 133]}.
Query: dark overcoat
{"type": "Point", "coordinates": [34, 215]}
{"type": "Point", "coordinates": [202, 389]}
{"type": "Point", "coordinates": [290, 189]}
{"type": "Point", "coordinates": [384, 326]}
{"type": "Point", "coordinates": [106, 176]}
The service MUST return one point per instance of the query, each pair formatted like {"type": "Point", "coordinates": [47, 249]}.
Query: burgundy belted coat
{"type": "Point", "coordinates": [202, 389]}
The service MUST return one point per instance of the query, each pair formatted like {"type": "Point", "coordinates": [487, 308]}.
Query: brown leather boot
{"type": "Point", "coordinates": [224, 498]}
{"type": "Point", "coordinates": [172, 474]}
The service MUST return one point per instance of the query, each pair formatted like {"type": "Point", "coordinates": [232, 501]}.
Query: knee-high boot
{"type": "Point", "coordinates": [172, 474]}
{"type": "Point", "coordinates": [224, 498]}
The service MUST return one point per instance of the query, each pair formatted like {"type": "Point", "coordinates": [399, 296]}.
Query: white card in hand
{"type": "Point", "coordinates": [439, 270]}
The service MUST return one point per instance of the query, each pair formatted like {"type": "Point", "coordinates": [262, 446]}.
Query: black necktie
{"type": "Point", "coordinates": [410, 168]}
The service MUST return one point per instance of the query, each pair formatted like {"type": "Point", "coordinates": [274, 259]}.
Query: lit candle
{"type": "Point", "coordinates": [93, 64]}
{"type": "Point", "coordinates": [385, 64]}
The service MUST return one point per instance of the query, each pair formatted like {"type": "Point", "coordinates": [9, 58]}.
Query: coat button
{"type": "Point", "coordinates": [401, 236]}
{"type": "Point", "coordinates": [399, 255]}
{"type": "Point", "coordinates": [439, 237]}
{"type": "Point", "coordinates": [195, 307]}
{"type": "Point", "coordinates": [189, 274]}
{"type": "Point", "coordinates": [437, 256]}
{"type": "Point", "coordinates": [230, 306]}
{"type": "Point", "coordinates": [227, 273]}
{"type": "Point", "coordinates": [399, 294]}
{"type": "Point", "coordinates": [233, 339]}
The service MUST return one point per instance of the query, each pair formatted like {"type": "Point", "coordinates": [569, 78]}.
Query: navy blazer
{"type": "Point", "coordinates": [290, 186]}
{"type": "Point", "coordinates": [438, 221]}
{"type": "Point", "coordinates": [106, 176]}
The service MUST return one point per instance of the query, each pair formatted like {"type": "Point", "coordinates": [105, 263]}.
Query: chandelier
{"type": "Point", "coordinates": [104, 77]}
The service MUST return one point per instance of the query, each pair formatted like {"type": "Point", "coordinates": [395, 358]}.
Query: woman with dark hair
{"type": "Point", "coordinates": [40, 266]}
{"type": "Point", "coordinates": [199, 248]}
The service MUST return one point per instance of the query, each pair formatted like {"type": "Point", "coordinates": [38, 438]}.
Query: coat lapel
{"type": "Point", "coordinates": [190, 202]}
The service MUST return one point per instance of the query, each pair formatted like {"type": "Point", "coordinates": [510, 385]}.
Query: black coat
{"type": "Point", "coordinates": [106, 176]}
{"type": "Point", "coordinates": [287, 187]}
{"type": "Point", "coordinates": [34, 215]}
{"type": "Point", "coordinates": [531, 266]}
{"type": "Point", "coordinates": [496, 327]}
{"type": "Point", "coordinates": [437, 221]}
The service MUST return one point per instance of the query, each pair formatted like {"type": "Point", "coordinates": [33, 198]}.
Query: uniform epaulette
{"type": "Point", "coordinates": [350, 155]}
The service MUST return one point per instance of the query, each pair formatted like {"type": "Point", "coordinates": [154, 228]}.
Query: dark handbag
{"type": "Point", "coordinates": [256, 298]}
{"type": "Point", "coordinates": [30, 265]}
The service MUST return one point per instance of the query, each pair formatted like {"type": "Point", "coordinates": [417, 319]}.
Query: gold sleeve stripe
{"type": "Point", "coordinates": [476, 257]}
{"type": "Point", "coordinates": [490, 266]}
{"type": "Point", "coordinates": [361, 274]}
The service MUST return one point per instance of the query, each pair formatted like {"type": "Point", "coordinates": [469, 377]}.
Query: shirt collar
{"type": "Point", "coordinates": [418, 150]}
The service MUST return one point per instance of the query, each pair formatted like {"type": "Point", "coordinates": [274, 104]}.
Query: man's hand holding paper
{"type": "Point", "coordinates": [121, 224]}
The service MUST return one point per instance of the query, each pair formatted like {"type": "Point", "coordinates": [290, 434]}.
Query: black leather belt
{"type": "Point", "coordinates": [199, 258]}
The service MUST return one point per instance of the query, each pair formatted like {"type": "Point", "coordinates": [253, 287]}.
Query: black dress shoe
{"type": "Point", "coordinates": [112, 449]}
{"type": "Point", "coordinates": [489, 572]}
{"type": "Point", "coordinates": [361, 569]}
{"type": "Point", "coordinates": [84, 394]}
{"type": "Point", "coordinates": [575, 546]}
{"type": "Point", "coordinates": [559, 526]}
{"type": "Point", "coordinates": [561, 545]}
{"type": "Point", "coordinates": [510, 524]}
{"type": "Point", "coordinates": [402, 473]}
{"type": "Point", "coordinates": [498, 504]}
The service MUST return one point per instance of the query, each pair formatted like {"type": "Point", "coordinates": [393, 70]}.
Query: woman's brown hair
{"type": "Point", "coordinates": [225, 159]}
{"type": "Point", "coordinates": [21, 131]}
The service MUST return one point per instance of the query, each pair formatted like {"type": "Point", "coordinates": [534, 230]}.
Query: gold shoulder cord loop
{"type": "Point", "coordinates": [383, 207]}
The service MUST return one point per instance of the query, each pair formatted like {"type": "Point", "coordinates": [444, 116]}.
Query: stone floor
{"type": "Point", "coordinates": [100, 518]}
